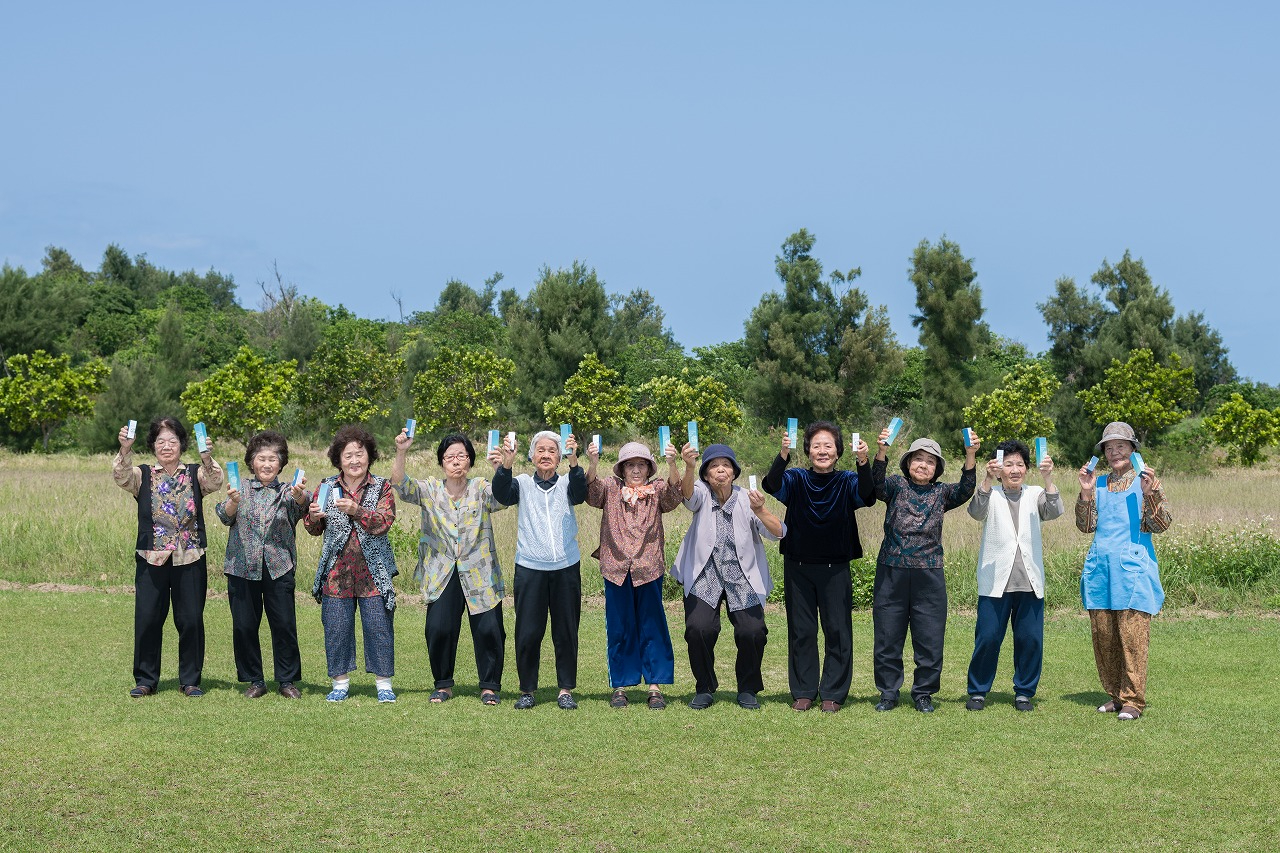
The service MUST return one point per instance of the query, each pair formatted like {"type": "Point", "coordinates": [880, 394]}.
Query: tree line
{"type": "Point", "coordinates": [84, 351]}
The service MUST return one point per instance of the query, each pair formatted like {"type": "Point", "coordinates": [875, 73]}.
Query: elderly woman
{"type": "Point", "coordinates": [722, 558]}
{"type": "Point", "coordinates": [821, 541]}
{"type": "Point", "coordinates": [548, 566]}
{"type": "Point", "coordinates": [261, 557]}
{"type": "Point", "coordinates": [356, 563]}
{"type": "Point", "coordinates": [1120, 585]}
{"type": "Point", "coordinates": [457, 562]}
{"type": "Point", "coordinates": [632, 561]}
{"type": "Point", "coordinates": [1011, 572]}
{"type": "Point", "coordinates": [910, 591]}
{"type": "Point", "coordinates": [169, 559]}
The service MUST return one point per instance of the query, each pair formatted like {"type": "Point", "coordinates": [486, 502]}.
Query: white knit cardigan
{"type": "Point", "coordinates": [1000, 542]}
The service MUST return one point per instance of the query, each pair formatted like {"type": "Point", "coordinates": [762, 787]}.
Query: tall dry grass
{"type": "Point", "coordinates": [63, 520]}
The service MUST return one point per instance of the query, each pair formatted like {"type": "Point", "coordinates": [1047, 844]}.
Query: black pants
{"type": "Point", "coordinates": [915, 599]}
{"type": "Point", "coordinates": [248, 599]}
{"type": "Point", "coordinates": [538, 593]}
{"type": "Point", "coordinates": [444, 626]}
{"type": "Point", "coordinates": [702, 629]}
{"type": "Point", "coordinates": [155, 587]}
{"type": "Point", "coordinates": [819, 593]}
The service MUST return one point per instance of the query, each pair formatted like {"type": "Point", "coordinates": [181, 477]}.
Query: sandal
{"type": "Point", "coordinates": [1129, 712]}
{"type": "Point", "coordinates": [656, 702]}
{"type": "Point", "coordinates": [440, 696]}
{"type": "Point", "coordinates": [619, 699]}
{"type": "Point", "coordinates": [1112, 707]}
{"type": "Point", "coordinates": [488, 697]}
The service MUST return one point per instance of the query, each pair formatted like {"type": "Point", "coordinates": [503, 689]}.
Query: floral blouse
{"type": "Point", "coordinates": [631, 533]}
{"type": "Point", "coordinates": [173, 507]}
{"type": "Point", "coordinates": [263, 531]}
{"type": "Point", "coordinates": [350, 577]}
{"type": "Point", "coordinates": [457, 535]}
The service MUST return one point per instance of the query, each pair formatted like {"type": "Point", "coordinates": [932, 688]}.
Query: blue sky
{"type": "Point", "coordinates": [389, 147]}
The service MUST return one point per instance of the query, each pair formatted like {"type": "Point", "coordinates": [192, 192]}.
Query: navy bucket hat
{"type": "Point", "coordinates": [718, 451]}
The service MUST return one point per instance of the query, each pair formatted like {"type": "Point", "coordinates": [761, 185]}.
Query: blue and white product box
{"type": "Point", "coordinates": [854, 441]}
{"type": "Point", "coordinates": [410, 427]}
{"type": "Point", "coordinates": [597, 443]}
{"type": "Point", "coordinates": [1092, 464]}
{"type": "Point", "coordinates": [753, 482]}
{"type": "Point", "coordinates": [1042, 450]}
{"type": "Point", "coordinates": [664, 438]}
{"type": "Point", "coordinates": [202, 438]}
{"type": "Point", "coordinates": [967, 432]}
{"type": "Point", "coordinates": [233, 475]}
{"type": "Point", "coordinates": [323, 497]}
{"type": "Point", "coordinates": [298, 475]}
{"type": "Point", "coordinates": [895, 427]}
{"type": "Point", "coordinates": [494, 438]}
{"type": "Point", "coordinates": [1000, 458]}
{"type": "Point", "coordinates": [511, 440]}
{"type": "Point", "coordinates": [566, 430]}
{"type": "Point", "coordinates": [133, 429]}
{"type": "Point", "coordinates": [1135, 459]}
{"type": "Point", "coordinates": [693, 435]}
{"type": "Point", "coordinates": [793, 431]}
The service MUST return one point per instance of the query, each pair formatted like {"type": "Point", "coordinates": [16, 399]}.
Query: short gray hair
{"type": "Point", "coordinates": [546, 433]}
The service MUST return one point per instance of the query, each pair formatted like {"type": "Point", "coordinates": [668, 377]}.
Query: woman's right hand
{"type": "Point", "coordinates": [993, 470]}
{"type": "Point", "coordinates": [785, 452]}
{"type": "Point", "coordinates": [1088, 480]}
{"type": "Point", "coordinates": [125, 442]}
{"type": "Point", "coordinates": [506, 454]}
{"type": "Point", "coordinates": [233, 500]}
{"type": "Point", "coordinates": [403, 442]}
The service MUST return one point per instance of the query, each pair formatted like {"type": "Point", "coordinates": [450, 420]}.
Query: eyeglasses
{"type": "Point", "coordinates": [168, 442]}
{"type": "Point", "coordinates": [456, 457]}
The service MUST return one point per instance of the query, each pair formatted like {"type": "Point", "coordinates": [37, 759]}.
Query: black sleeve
{"type": "Point", "coordinates": [505, 490]}
{"type": "Point", "coordinates": [773, 478]}
{"type": "Point", "coordinates": [866, 485]}
{"type": "Point", "coordinates": [577, 485]}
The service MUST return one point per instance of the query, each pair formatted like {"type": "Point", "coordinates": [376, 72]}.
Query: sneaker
{"type": "Point", "coordinates": [748, 701]}
{"type": "Point", "coordinates": [336, 695]}
{"type": "Point", "coordinates": [525, 702]}
{"type": "Point", "coordinates": [924, 704]}
{"type": "Point", "coordinates": [887, 702]}
{"type": "Point", "coordinates": [566, 702]}
{"type": "Point", "coordinates": [701, 701]}
{"type": "Point", "coordinates": [386, 696]}
{"type": "Point", "coordinates": [976, 702]}
{"type": "Point", "coordinates": [1023, 703]}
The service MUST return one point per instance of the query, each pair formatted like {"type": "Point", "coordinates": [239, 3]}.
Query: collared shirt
{"type": "Point", "coordinates": [350, 576]}
{"type": "Point", "coordinates": [457, 534]}
{"type": "Point", "coordinates": [631, 536]}
{"type": "Point", "coordinates": [1156, 517]}
{"type": "Point", "coordinates": [172, 507]}
{"type": "Point", "coordinates": [723, 575]}
{"type": "Point", "coordinates": [263, 531]}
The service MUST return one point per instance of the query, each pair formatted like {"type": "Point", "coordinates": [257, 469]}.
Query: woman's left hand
{"type": "Point", "coordinates": [347, 505]}
{"type": "Point", "coordinates": [1149, 481]}
{"type": "Point", "coordinates": [689, 455]}
{"type": "Point", "coordinates": [756, 499]}
{"type": "Point", "coordinates": [1046, 466]}
{"type": "Point", "coordinates": [299, 493]}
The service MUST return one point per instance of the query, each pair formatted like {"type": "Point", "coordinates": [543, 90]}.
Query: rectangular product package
{"type": "Point", "coordinates": [233, 475]}
{"type": "Point", "coordinates": [895, 427]}
{"type": "Point", "coordinates": [202, 437]}
{"type": "Point", "coordinates": [664, 438]}
{"type": "Point", "coordinates": [693, 435]}
{"type": "Point", "coordinates": [793, 431]}
{"type": "Point", "coordinates": [566, 430]}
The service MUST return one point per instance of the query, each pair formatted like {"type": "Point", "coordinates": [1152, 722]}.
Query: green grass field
{"type": "Point", "coordinates": [84, 767]}
{"type": "Point", "coordinates": [87, 768]}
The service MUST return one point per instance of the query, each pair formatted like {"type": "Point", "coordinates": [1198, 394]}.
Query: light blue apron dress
{"type": "Point", "coordinates": [1120, 571]}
